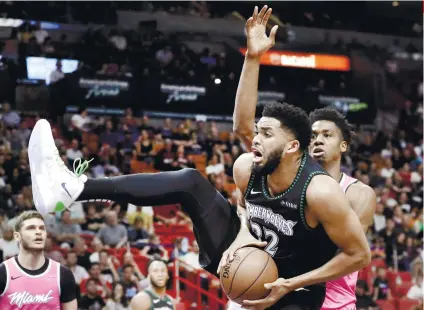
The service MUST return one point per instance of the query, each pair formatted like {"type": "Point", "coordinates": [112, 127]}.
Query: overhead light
{"type": "Point", "coordinates": [395, 3]}
{"type": "Point", "coordinates": [217, 81]}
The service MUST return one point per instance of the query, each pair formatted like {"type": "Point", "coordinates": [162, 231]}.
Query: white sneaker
{"type": "Point", "coordinates": [54, 186]}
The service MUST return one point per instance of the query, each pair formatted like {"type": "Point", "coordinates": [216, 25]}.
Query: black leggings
{"type": "Point", "coordinates": [215, 222]}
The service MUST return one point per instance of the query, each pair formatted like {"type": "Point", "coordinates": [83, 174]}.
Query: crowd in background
{"type": "Point", "coordinates": [391, 163]}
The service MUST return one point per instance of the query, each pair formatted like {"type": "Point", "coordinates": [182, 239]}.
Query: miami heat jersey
{"type": "Point", "coordinates": [27, 292]}
{"type": "Point", "coordinates": [295, 247]}
{"type": "Point", "coordinates": [340, 293]}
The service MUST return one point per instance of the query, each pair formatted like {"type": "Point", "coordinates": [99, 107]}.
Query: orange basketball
{"type": "Point", "coordinates": [244, 277]}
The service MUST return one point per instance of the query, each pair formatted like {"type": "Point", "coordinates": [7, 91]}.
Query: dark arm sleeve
{"type": "Point", "coordinates": [3, 278]}
{"type": "Point", "coordinates": [68, 287]}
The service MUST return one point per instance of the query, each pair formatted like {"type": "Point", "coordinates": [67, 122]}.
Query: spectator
{"type": "Point", "coordinates": [52, 253]}
{"type": "Point", "coordinates": [416, 291]}
{"type": "Point", "coordinates": [379, 218]}
{"type": "Point", "coordinates": [73, 152]}
{"type": "Point", "coordinates": [67, 231]}
{"type": "Point", "coordinates": [137, 235]}
{"type": "Point", "coordinates": [134, 212]}
{"type": "Point", "coordinates": [79, 272]}
{"type": "Point", "coordinates": [113, 235]}
{"type": "Point", "coordinates": [93, 221]}
{"type": "Point", "coordinates": [154, 249]}
{"type": "Point", "coordinates": [363, 301]}
{"type": "Point", "coordinates": [101, 285]}
{"type": "Point", "coordinates": [117, 301]}
{"type": "Point", "coordinates": [128, 259]}
{"type": "Point", "coordinates": [381, 286]}
{"type": "Point", "coordinates": [8, 244]}
{"type": "Point", "coordinates": [56, 74]}
{"type": "Point", "coordinates": [108, 270]}
{"type": "Point", "coordinates": [81, 122]}
{"type": "Point", "coordinates": [83, 257]}
{"type": "Point", "coordinates": [92, 300]}
{"type": "Point", "coordinates": [129, 282]}
{"type": "Point", "coordinates": [10, 118]}
{"type": "Point", "coordinates": [164, 56]}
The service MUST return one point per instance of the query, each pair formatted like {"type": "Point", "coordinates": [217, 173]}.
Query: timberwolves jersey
{"type": "Point", "coordinates": [158, 303]}
{"type": "Point", "coordinates": [280, 220]}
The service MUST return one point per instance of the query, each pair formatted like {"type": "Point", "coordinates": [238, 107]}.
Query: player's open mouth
{"type": "Point", "coordinates": [38, 240]}
{"type": "Point", "coordinates": [257, 156]}
{"type": "Point", "coordinates": [318, 152]}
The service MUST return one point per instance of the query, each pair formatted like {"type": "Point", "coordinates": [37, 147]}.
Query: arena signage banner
{"type": "Point", "coordinates": [182, 93]}
{"type": "Point", "coordinates": [103, 88]}
{"type": "Point", "coordinates": [304, 60]}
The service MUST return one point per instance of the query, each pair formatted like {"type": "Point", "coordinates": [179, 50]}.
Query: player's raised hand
{"type": "Point", "coordinates": [257, 40]}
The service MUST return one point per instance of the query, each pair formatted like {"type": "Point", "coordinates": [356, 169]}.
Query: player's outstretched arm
{"type": "Point", "coordinates": [241, 174]}
{"type": "Point", "coordinates": [141, 301]}
{"type": "Point", "coordinates": [329, 206]}
{"type": "Point", "coordinates": [247, 92]}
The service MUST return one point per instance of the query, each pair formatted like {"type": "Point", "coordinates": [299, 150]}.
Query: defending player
{"type": "Point", "coordinates": [30, 281]}
{"type": "Point", "coordinates": [155, 296]}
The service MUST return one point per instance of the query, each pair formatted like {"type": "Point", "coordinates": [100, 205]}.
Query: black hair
{"type": "Point", "coordinates": [293, 118]}
{"type": "Point", "coordinates": [332, 115]}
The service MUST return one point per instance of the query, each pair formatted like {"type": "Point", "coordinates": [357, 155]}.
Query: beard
{"type": "Point", "coordinates": [270, 165]}
{"type": "Point", "coordinates": [27, 247]}
{"type": "Point", "coordinates": [156, 285]}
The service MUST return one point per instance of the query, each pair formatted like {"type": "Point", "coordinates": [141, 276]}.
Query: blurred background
{"type": "Point", "coordinates": [150, 86]}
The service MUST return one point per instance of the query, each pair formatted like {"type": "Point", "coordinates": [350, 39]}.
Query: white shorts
{"type": "Point", "coordinates": [231, 305]}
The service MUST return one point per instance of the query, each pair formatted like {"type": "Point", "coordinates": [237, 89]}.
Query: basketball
{"type": "Point", "coordinates": [244, 277]}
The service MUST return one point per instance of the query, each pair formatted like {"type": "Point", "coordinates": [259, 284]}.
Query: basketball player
{"type": "Point", "coordinates": [330, 139]}
{"type": "Point", "coordinates": [30, 281]}
{"type": "Point", "coordinates": [154, 297]}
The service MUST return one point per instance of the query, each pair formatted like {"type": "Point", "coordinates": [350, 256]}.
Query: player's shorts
{"type": "Point", "coordinates": [215, 231]}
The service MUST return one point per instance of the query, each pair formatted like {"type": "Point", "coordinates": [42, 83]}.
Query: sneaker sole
{"type": "Point", "coordinates": [35, 154]}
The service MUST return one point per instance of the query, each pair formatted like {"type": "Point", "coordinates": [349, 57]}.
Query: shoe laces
{"type": "Point", "coordinates": [81, 167]}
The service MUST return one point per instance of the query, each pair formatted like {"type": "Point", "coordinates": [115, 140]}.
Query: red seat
{"type": "Point", "coordinates": [387, 304]}
{"type": "Point", "coordinates": [407, 304]}
{"type": "Point", "coordinates": [401, 290]}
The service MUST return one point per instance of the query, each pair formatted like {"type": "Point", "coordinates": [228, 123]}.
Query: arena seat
{"type": "Point", "coordinates": [387, 304]}
{"type": "Point", "coordinates": [407, 304]}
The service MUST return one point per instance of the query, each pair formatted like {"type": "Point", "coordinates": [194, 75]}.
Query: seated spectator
{"type": "Point", "coordinates": [106, 263]}
{"type": "Point", "coordinates": [191, 258]}
{"type": "Point", "coordinates": [97, 247]}
{"type": "Point", "coordinates": [51, 253]}
{"type": "Point", "coordinates": [416, 291]}
{"type": "Point", "coordinates": [128, 259]}
{"type": "Point", "coordinates": [102, 286]}
{"type": "Point", "coordinates": [117, 300]}
{"type": "Point", "coordinates": [363, 301]}
{"type": "Point", "coordinates": [378, 250]}
{"type": "Point", "coordinates": [9, 118]}
{"type": "Point", "coordinates": [137, 235]}
{"type": "Point", "coordinates": [67, 231]}
{"type": "Point", "coordinates": [113, 235]}
{"type": "Point", "coordinates": [129, 282]}
{"type": "Point", "coordinates": [134, 212]}
{"type": "Point", "coordinates": [381, 286]}
{"type": "Point", "coordinates": [154, 249]}
{"type": "Point", "coordinates": [79, 272]}
{"type": "Point", "coordinates": [215, 165]}
{"type": "Point", "coordinates": [73, 152]}
{"type": "Point", "coordinates": [83, 257]}
{"type": "Point", "coordinates": [81, 122]}
{"type": "Point", "coordinates": [93, 220]}
{"type": "Point", "coordinates": [8, 245]}
{"type": "Point", "coordinates": [92, 299]}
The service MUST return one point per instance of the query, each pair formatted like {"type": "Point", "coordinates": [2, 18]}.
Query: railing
{"type": "Point", "coordinates": [214, 301]}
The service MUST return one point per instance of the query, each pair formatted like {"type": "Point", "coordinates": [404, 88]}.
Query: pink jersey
{"type": "Point", "coordinates": [340, 293]}
{"type": "Point", "coordinates": [27, 292]}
